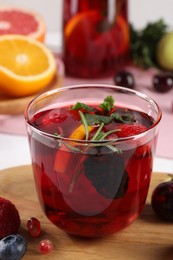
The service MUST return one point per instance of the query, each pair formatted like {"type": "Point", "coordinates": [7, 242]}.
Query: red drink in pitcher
{"type": "Point", "coordinates": [95, 37]}
{"type": "Point", "coordinates": [92, 161]}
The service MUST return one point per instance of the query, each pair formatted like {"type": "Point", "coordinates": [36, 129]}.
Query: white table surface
{"type": "Point", "coordinates": [14, 149]}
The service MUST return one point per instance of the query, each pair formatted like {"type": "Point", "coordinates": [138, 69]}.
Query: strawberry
{"type": "Point", "coordinates": [127, 130]}
{"type": "Point", "coordinates": [142, 151]}
{"type": "Point", "coordinates": [9, 218]}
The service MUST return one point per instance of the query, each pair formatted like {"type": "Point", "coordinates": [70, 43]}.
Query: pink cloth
{"type": "Point", "coordinates": [16, 125]}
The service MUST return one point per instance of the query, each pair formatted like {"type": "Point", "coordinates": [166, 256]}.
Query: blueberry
{"type": "Point", "coordinates": [12, 247]}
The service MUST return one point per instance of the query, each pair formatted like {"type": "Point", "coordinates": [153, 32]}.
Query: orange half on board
{"type": "Point", "coordinates": [26, 65]}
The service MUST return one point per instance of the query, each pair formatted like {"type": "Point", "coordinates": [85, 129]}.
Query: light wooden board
{"type": "Point", "coordinates": [148, 238]}
{"type": "Point", "coordinates": [14, 106]}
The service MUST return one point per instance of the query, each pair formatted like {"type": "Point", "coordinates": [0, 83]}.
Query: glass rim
{"type": "Point", "coordinates": [98, 86]}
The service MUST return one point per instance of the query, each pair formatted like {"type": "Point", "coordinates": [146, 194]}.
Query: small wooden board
{"type": "Point", "coordinates": [14, 106]}
{"type": "Point", "coordinates": [148, 238]}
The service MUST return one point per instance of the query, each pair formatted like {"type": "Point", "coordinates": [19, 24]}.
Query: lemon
{"type": "Point", "coordinates": [164, 52]}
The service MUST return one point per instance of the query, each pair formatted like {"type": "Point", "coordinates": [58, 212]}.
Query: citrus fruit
{"type": "Point", "coordinates": [89, 35]}
{"type": "Point", "coordinates": [113, 42]}
{"type": "Point", "coordinates": [79, 21]}
{"type": "Point", "coordinates": [14, 20]}
{"type": "Point", "coordinates": [26, 65]}
{"type": "Point", "coordinates": [165, 51]}
{"type": "Point", "coordinates": [79, 133]}
{"type": "Point", "coordinates": [78, 32]}
{"type": "Point", "coordinates": [120, 32]}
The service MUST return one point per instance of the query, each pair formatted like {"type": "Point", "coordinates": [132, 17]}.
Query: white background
{"type": "Point", "coordinates": [140, 11]}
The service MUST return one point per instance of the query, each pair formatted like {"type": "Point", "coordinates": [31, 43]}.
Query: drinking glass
{"type": "Point", "coordinates": [91, 188]}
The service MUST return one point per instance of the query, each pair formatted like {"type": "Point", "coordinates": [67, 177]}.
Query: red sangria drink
{"type": "Point", "coordinates": [92, 149]}
{"type": "Point", "coordinates": [95, 37]}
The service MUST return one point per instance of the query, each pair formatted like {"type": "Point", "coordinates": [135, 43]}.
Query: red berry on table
{"type": "Point", "coordinates": [126, 130]}
{"type": "Point", "coordinates": [124, 79]}
{"type": "Point", "coordinates": [162, 200]}
{"type": "Point", "coordinates": [34, 227]}
{"type": "Point", "coordinates": [45, 246]}
{"type": "Point", "coordinates": [163, 82]}
{"type": "Point", "coordinates": [9, 218]}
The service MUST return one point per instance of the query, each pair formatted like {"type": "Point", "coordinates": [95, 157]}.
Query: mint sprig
{"type": "Point", "coordinates": [106, 116]}
{"type": "Point", "coordinates": [93, 119]}
{"type": "Point", "coordinates": [80, 105]}
{"type": "Point", "coordinates": [108, 104]}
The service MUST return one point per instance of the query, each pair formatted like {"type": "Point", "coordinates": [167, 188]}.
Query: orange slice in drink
{"type": "Point", "coordinates": [79, 133]}
{"type": "Point", "coordinates": [79, 32]}
{"type": "Point", "coordinates": [63, 156]}
{"type": "Point", "coordinates": [112, 42]}
{"type": "Point", "coordinates": [120, 34]}
{"type": "Point", "coordinates": [89, 36]}
{"type": "Point", "coordinates": [26, 65]}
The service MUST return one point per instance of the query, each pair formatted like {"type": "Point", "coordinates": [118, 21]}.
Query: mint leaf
{"type": "Point", "coordinates": [80, 105]}
{"type": "Point", "coordinates": [93, 119]}
{"type": "Point", "coordinates": [108, 104]}
{"type": "Point", "coordinates": [127, 118]}
{"type": "Point", "coordinates": [97, 119]}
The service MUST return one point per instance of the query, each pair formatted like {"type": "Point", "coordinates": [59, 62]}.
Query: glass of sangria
{"type": "Point", "coordinates": [92, 149]}
{"type": "Point", "coordinates": [95, 37]}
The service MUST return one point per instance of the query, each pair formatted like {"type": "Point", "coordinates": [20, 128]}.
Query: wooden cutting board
{"type": "Point", "coordinates": [14, 106]}
{"type": "Point", "coordinates": [148, 238]}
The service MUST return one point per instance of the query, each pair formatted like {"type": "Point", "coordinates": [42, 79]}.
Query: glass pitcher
{"type": "Point", "coordinates": [95, 37]}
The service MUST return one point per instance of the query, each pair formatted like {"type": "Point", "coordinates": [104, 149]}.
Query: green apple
{"type": "Point", "coordinates": [164, 52]}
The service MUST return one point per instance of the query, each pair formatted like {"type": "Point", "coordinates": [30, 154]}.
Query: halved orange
{"type": "Point", "coordinates": [88, 37]}
{"type": "Point", "coordinates": [26, 65]}
{"type": "Point", "coordinates": [17, 20]}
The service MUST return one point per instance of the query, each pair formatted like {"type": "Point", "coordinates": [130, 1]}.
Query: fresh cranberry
{"type": "Point", "coordinates": [34, 227]}
{"type": "Point", "coordinates": [124, 79]}
{"type": "Point", "coordinates": [162, 200]}
{"type": "Point", "coordinates": [163, 82]}
{"type": "Point", "coordinates": [45, 246]}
